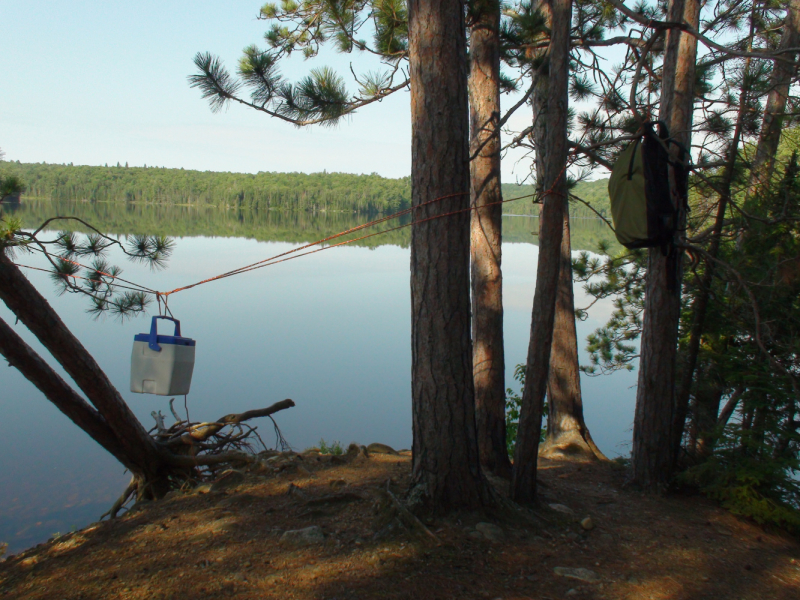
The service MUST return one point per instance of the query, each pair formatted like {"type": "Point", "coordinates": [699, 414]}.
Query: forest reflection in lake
{"type": "Point", "coordinates": [331, 331]}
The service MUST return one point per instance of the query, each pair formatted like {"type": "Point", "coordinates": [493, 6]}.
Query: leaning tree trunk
{"type": "Point", "coordinates": [567, 434]}
{"type": "Point", "coordinates": [146, 459]}
{"type": "Point", "coordinates": [446, 471]}
{"type": "Point", "coordinates": [488, 358]}
{"type": "Point", "coordinates": [523, 482]}
{"type": "Point", "coordinates": [653, 454]}
{"type": "Point", "coordinates": [783, 73]}
{"type": "Point", "coordinates": [22, 357]}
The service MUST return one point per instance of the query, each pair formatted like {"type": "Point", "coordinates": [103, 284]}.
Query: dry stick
{"type": "Point", "coordinates": [410, 518]}
{"type": "Point", "coordinates": [200, 432]}
{"type": "Point", "coordinates": [120, 502]}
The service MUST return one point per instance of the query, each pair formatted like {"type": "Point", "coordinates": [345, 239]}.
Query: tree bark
{"type": "Point", "coordinates": [783, 74]}
{"type": "Point", "coordinates": [653, 454]}
{"type": "Point", "coordinates": [567, 434]}
{"type": "Point", "coordinates": [523, 482]}
{"type": "Point", "coordinates": [36, 313]}
{"type": "Point", "coordinates": [22, 357]}
{"type": "Point", "coordinates": [446, 472]}
{"type": "Point", "coordinates": [488, 358]}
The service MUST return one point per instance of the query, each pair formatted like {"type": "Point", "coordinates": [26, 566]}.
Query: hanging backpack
{"type": "Point", "coordinates": [642, 206]}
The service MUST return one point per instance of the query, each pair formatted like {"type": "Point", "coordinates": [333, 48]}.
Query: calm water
{"type": "Point", "coordinates": [331, 331]}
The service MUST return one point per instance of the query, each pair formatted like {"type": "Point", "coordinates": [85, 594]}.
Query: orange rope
{"type": "Point", "coordinates": [274, 259]}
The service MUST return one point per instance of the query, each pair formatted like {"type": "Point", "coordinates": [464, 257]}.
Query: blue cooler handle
{"type": "Point", "coordinates": [153, 344]}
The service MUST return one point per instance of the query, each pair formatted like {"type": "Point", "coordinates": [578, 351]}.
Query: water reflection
{"type": "Point", "coordinates": [330, 331]}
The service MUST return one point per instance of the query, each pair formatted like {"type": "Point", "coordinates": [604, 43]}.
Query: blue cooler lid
{"type": "Point", "coordinates": [153, 339]}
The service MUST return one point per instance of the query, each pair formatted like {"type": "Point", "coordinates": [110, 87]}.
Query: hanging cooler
{"type": "Point", "coordinates": [162, 364]}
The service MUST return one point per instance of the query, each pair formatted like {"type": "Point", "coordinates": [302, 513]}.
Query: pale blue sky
{"type": "Point", "coordinates": [94, 82]}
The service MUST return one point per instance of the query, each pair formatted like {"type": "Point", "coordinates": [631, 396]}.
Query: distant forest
{"type": "Point", "coordinates": [371, 194]}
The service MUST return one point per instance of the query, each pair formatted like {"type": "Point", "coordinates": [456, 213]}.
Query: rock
{"type": "Point", "coordinates": [380, 449]}
{"type": "Point", "coordinates": [572, 592]}
{"type": "Point", "coordinates": [229, 479]}
{"type": "Point", "coordinates": [587, 524]}
{"type": "Point", "coordinates": [240, 577]}
{"type": "Point", "coordinates": [491, 532]}
{"type": "Point", "coordinates": [580, 574]}
{"type": "Point", "coordinates": [303, 537]}
{"type": "Point", "coordinates": [476, 535]}
{"type": "Point", "coordinates": [566, 510]}
{"type": "Point", "coordinates": [356, 453]}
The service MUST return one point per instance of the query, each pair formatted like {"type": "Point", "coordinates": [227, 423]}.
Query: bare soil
{"type": "Point", "coordinates": [227, 544]}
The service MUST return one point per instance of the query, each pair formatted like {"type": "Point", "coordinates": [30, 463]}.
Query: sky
{"type": "Point", "coordinates": [96, 82]}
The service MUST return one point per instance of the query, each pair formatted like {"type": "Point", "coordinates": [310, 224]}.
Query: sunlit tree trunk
{"type": "Point", "coordinates": [523, 484]}
{"type": "Point", "coordinates": [653, 455]}
{"type": "Point", "coordinates": [783, 73]}
{"type": "Point", "coordinates": [488, 359]}
{"type": "Point", "coordinates": [567, 434]}
{"type": "Point", "coordinates": [446, 472]}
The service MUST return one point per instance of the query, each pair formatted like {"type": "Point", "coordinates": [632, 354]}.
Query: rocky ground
{"type": "Point", "coordinates": [315, 526]}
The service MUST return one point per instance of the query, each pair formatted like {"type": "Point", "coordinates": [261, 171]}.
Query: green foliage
{"type": "Point", "coordinates": [321, 97]}
{"type": "Point", "coordinates": [621, 278]}
{"type": "Point", "coordinates": [10, 185]}
{"type": "Point", "coordinates": [330, 448]}
{"type": "Point", "coordinates": [513, 408]}
{"type": "Point", "coordinates": [756, 486]}
{"type": "Point", "coordinates": [262, 191]}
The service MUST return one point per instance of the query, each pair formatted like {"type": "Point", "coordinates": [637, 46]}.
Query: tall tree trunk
{"type": "Point", "coordinates": [488, 358]}
{"type": "Point", "coordinates": [446, 471]}
{"type": "Point", "coordinates": [523, 482]}
{"type": "Point", "coordinates": [783, 73]}
{"type": "Point", "coordinates": [567, 434]}
{"type": "Point", "coordinates": [703, 295]}
{"type": "Point", "coordinates": [36, 313]}
{"type": "Point", "coordinates": [653, 454]}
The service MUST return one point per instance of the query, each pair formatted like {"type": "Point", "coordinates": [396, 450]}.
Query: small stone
{"type": "Point", "coordinates": [562, 509]}
{"type": "Point", "coordinates": [587, 524]}
{"type": "Point", "coordinates": [240, 577]}
{"type": "Point", "coordinates": [632, 580]}
{"type": "Point", "coordinates": [380, 449]}
{"type": "Point", "coordinates": [580, 573]}
{"type": "Point", "coordinates": [476, 535]}
{"type": "Point", "coordinates": [303, 537]}
{"type": "Point", "coordinates": [572, 592]}
{"type": "Point", "coordinates": [491, 532]}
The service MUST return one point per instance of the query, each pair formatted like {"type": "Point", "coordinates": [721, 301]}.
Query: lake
{"type": "Point", "coordinates": [331, 331]}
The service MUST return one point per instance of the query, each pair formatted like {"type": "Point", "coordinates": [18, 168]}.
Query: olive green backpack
{"type": "Point", "coordinates": [642, 208]}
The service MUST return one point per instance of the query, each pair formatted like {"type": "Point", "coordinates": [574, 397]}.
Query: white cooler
{"type": "Point", "coordinates": [162, 364]}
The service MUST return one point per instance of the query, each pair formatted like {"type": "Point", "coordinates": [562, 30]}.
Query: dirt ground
{"type": "Point", "coordinates": [227, 543]}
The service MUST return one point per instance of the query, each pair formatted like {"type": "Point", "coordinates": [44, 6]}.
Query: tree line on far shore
{"type": "Point", "coordinates": [364, 194]}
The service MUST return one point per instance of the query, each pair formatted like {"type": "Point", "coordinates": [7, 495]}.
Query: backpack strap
{"type": "Point", "coordinates": [633, 158]}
